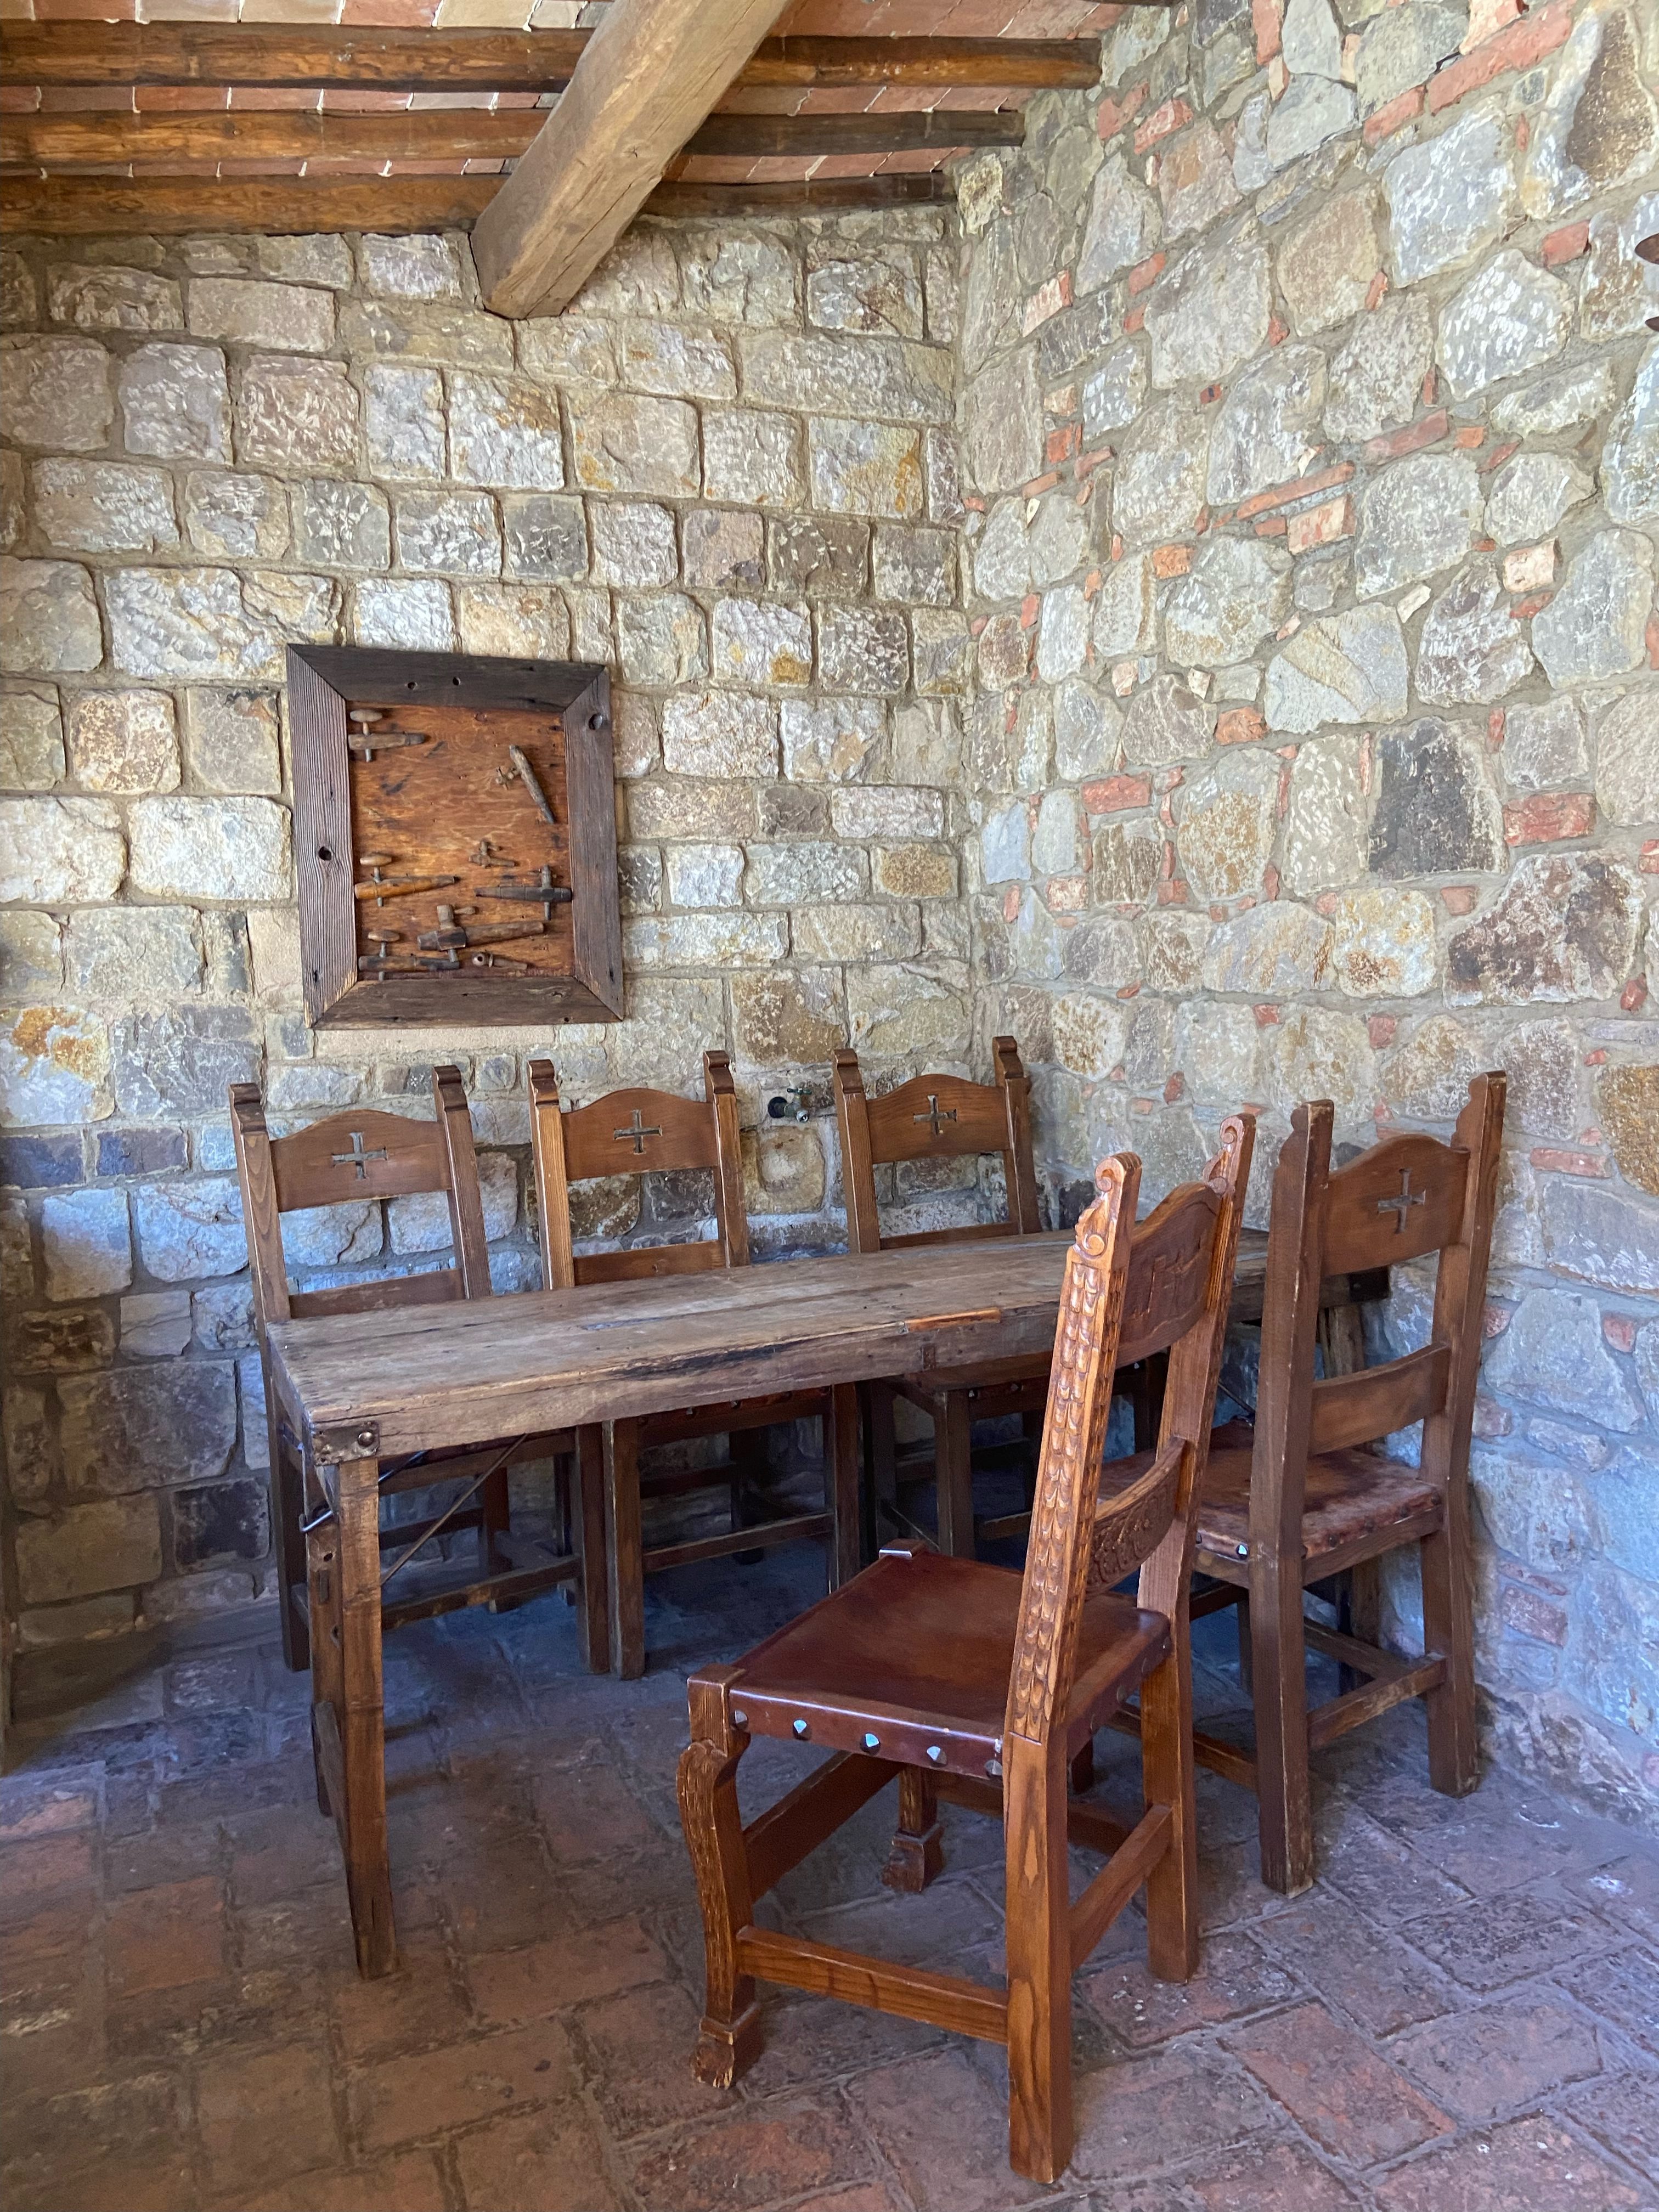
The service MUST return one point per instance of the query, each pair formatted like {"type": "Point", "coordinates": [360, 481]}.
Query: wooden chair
{"type": "Point", "coordinates": [969, 1681]}
{"type": "Point", "coordinates": [943, 1117]}
{"type": "Point", "coordinates": [1306, 1493]}
{"type": "Point", "coordinates": [642, 1132]}
{"type": "Point", "coordinates": [368, 1156]}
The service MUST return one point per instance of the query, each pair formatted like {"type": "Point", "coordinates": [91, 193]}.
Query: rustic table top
{"type": "Point", "coordinates": [536, 1361]}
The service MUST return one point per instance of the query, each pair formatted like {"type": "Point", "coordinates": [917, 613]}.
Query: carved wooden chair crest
{"type": "Point", "coordinates": [965, 1681]}
{"type": "Point", "coordinates": [1306, 1493]}
{"type": "Point", "coordinates": [640, 1132]}
{"type": "Point", "coordinates": [936, 1117]}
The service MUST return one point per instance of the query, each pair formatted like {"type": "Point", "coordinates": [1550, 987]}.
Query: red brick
{"type": "Point", "coordinates": [1038, 485]}
{"type": "Point", "coordinates": [1273, 525]}
{"type": "Point", "coordinates": [553, 2159]}
{"type": "Point", "coordinates": [1534, 603]}
{"type": "Point", "coordinates": [1145, 273]}
{"type": "Point", "coordinates": [1529, 1614]}
{"type": "Point", "coordinates": [1548, 817]}
{"type": "Point", "coordinates": [1516, 47]}
{"type": "Point", "coordinates": [1302, 487]}
{"type": "Point", "coordinates": [1620, 1330]}
{"type": "Point", "coordinates": [1320, 525]}
{"type": "Point", "coordinates": [1113, 114]}
{"type": "Point", "coordinates": [1282, 2176]}
{"type": "Point", "coordinates": [407, 2183]}
{"type": "Point", "coordinates": [1134, 319]}
{"type": "Point", "coordinates": [1117, 794]}
{"type": "Point", "coordinates": [1267, 19]}
{"type": "Point", "coordinates": [1239, 725]}
{"type": "Point", "coordinates": [1471, 435]}
{"type": "Point", "coordinates": [1634, 995]}
{"type": "Point", "coordinates": [1393, 115]}
{"type": "Point", "coordinates": [1382, 1030]}
{"type": "Point", "coordinates": [1375, 290]}
{"type": "Point", "coordinates": [1351, 2101]}
{"type": "Point", "coordinates": [1410, 439]}
{"type": "Point", "coordinates": [755, 2157]}
{"type": "Point", "coordinates": [1457, 898]}
{"type": "Point", "coordinates": [1565, 245]}
{"type": "Point", "coordinates": [1172, 115]}
{"type": "Point", "coordinates": [1561, 1159]}
{"type": "Point", "coordinates": [1062, 444]}
{"type": "Point", "coordinates": [1172, 561]}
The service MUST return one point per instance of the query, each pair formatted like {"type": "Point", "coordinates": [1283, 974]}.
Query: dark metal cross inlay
{"type": "Point", "coordinates": [933, 1115]}
{"type": "Point", "coordinates": [1401, 1207]}
{"type": "Point", "coordinates": [638, 1132]}
{"type": "Point", "coordinates": [357, 1157]}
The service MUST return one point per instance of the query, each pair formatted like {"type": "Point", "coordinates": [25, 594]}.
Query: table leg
{"type": "Point", "coordinates": [622, 1503]}
{"type": "Point", "coordinates": [841, 1482]}
{"type": "Point", "coordinates": [593, 1604]}
{"type": "Point", "coordinates": [361, 1714]}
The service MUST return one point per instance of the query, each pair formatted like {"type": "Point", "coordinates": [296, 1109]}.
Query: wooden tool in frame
{"type": "Point", "coordinates": [416, 775]}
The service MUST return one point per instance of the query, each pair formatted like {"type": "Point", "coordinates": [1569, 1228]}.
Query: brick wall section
{"type": "Point", "coordinates": [728, 471]}
{"type": "Point", "coordinates": [1312, 451]}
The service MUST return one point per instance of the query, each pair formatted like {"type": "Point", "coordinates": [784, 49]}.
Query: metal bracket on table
{"type": "Point", "coordinates": [345, 1440]}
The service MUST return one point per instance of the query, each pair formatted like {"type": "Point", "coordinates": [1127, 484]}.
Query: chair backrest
{"type": "Point", "coordinates": [1128, 1292]}
{"type": "Point", "coordinates": [1404, 1198]}
{"type": "Point", "coordinates": [359, 1155]}
{"type": "Point", "coordinates": [934, 1117]}
{"type": "Point", "coordinates": [637, 1132]}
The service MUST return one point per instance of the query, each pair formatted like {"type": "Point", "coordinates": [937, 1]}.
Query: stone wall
{"type": "Point", "coordinates": [1312, 451]}
{"type": "Point", "coordinates": [729, 473]}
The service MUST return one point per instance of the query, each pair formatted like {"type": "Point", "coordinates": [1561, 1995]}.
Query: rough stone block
{"type": "Point", "coordinates": [231, 741]}
{"type": "Point", "coordinates": [175, 403]}
{"type": "Point", "coordinates": [60, 852]}
{"type": "Point", "coordinates": [122, 741]}
{"type": "Point", "coordinates": [341, 526]}
{"type": "Point", "coordinates": [415, 616]}
{"type": "Point", "coordinates": [139, 1428]}
{"type": "Point", "coordinates": [85, 1244]}
{"type": "Point", "coordinates": [624, 443]}
{"type": "Point", "coordinates": [505, 433]}
{"type": "Point", "coordinates": [233, 849]}
{"type": "Point", "coordinates": [634, 543]}
{"type": "Point", "coordinates": [223, 1521]}
{"type": "Point", "coordinates": [454, 533]}
{"type": "Point", "coordinates": [662, 640]}
{"type": "Point", "coordinates": [229, 516]}
{"type": "Point", "coordinates": [1451, 196]}
{"type": "Point", "coordinates": [1564, 928]}
{"type": "Point", "coordinates": [110, 1545]}
{"type": "Point", "coordinates": [31, 740]}
{"type": "Point", "coordinates": [57, 393]}
{"type": "Point", "coordinates": [49, 623]}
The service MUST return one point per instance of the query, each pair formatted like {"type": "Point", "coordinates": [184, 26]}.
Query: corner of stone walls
{"type": "Point", "coordinates": [1311, 466]}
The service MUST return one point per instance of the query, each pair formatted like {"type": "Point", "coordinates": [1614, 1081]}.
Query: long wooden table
{"type": "Point", "coordinates": [432, 1376]}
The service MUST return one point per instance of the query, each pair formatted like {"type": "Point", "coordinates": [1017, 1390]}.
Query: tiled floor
{"type": "Point", "coordinates": [1462, 2016]}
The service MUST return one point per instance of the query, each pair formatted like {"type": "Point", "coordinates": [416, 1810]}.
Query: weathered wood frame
{"type": "Point", "coordinates": [320, 681]}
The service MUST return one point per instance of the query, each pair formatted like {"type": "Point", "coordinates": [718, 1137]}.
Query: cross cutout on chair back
{"type": "Point", "coordinates": [936, 1117]}
{"type": "Point", "coordinates": [636, 1133]}
{"type": "Point", "coordinates": [378, 1156]}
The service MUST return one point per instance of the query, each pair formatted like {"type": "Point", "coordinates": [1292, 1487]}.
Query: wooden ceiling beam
{"type": "Point", "coordinates": [161, 207]}
{"type": "Point", "coordinates": [457, 134]}
{"type": "Point", "coordinates": [63, 55]}
{"type": "Point", "coordinates": [651, 75]}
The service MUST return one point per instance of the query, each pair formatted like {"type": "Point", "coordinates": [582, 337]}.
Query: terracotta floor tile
{"type": "Point", "coordinates": [545, 2161]}
{"type": "Point", "coordinates": [1372, 1975]}
{"type": "Point", "coordinates": [1352, 2103]}
{"type": "Point", "coordinates": [1152, 2113]}
{"type": "Point", "coordinates": [1477, 2064]}
{"type": "Point", "coordinates": [156, 2181]}
{"type": "Point", "coordinates": [509, 1986]}
{"type": "Point", "coordinates": [1233, 1979]}
{"type": "Point", "coordinates": [1625, 1890]}
{"type": "Point", "coordinates": [43, 1866]}
{"type": "Point", "coordinates": [642, 2044]}
{"type": "Point", "coordinates": [590, 1812]}
{"type": "Point", "coordinates": [407, 2183]}
{"type": "Point", "coordinates": [158, 1938]}
{"type": "Point", "coordinates": [404, 2099]}
{"type": "Point", "coordinates": [1623, 2111]}
{"type": "Point", "coordinates": [266, 2005]}
{"type": "Point", "coordinates": [1285, 2176]}
{"type": "Point", "coordinates": [1620, 1990]}
{"type": "Point", "coordinates": [754, 2155]}
{"type": "Point", "coordinates": [1530, 2165]}
{"type": "Point", "coordinates": [1382, 1873]}
{"type": "Point", "coordinates": [807, 2039]}
{"type": "Point", "coordinates": [422, 2003]}
{"type": "Point", "coordinates": [48, 1804]}
{"type": "Point", "coordinates": [945, 2136]}
{"type": "Point", "coordinates": [266, 2115]}
{"type": "Point", "coordinates": [1500, 1939]}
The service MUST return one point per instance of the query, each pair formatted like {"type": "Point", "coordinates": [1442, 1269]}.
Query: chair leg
{"type": "Point", "coordinates": [1279, 1693]}
{"type": "Point", "coordinates": [287, 1513]}
{"type": "Point", "coordinates": [495, 1519]}
{"type": "Point", "coordinates": [1039, 2121]}
{"type": "Point", "coordinates": [1449, 1629]}
{"type": "Point", "coordinates": [841, 1483]}
{"type": "Point", "coordinates": [593, 1601]}
{"type": "Point", "coordinates": [323, 1588]}
{"type": "Point", "coordinates": [1082, 1776]}
{"type": "Point", "coordinates": [918, 1852]}
{"type": "Point", "coordinates": [954, 1471]}
{"type": "Point", "coordinates": [729, 2039]}
{"type": "Point", "coordinates": [1166, 1767]}
{"type": "Point", "coordinates": [622, 1513]}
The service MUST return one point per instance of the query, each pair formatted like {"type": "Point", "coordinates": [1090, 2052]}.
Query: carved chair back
{"type": "Point", "coordinates": [936, 1117]}
{"type": "Point", "coordinates": [359, 1155]}
{"type": "Point", "coordinates": [637, 1132]}
{"type": "Point", "coordinates": [1403, 1200]}
{"type": "Point", "coordinates": [1128, 1292]}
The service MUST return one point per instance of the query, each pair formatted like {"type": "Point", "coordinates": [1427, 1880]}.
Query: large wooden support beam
{"type": "Point", "coordinates": [651, 75]}
{"type": "Point", "coordinates": [63, 55]}
{"type": "Point", "coordinates": [452, 134]}
{"type": "Point", "coordinates": [165, 207]}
